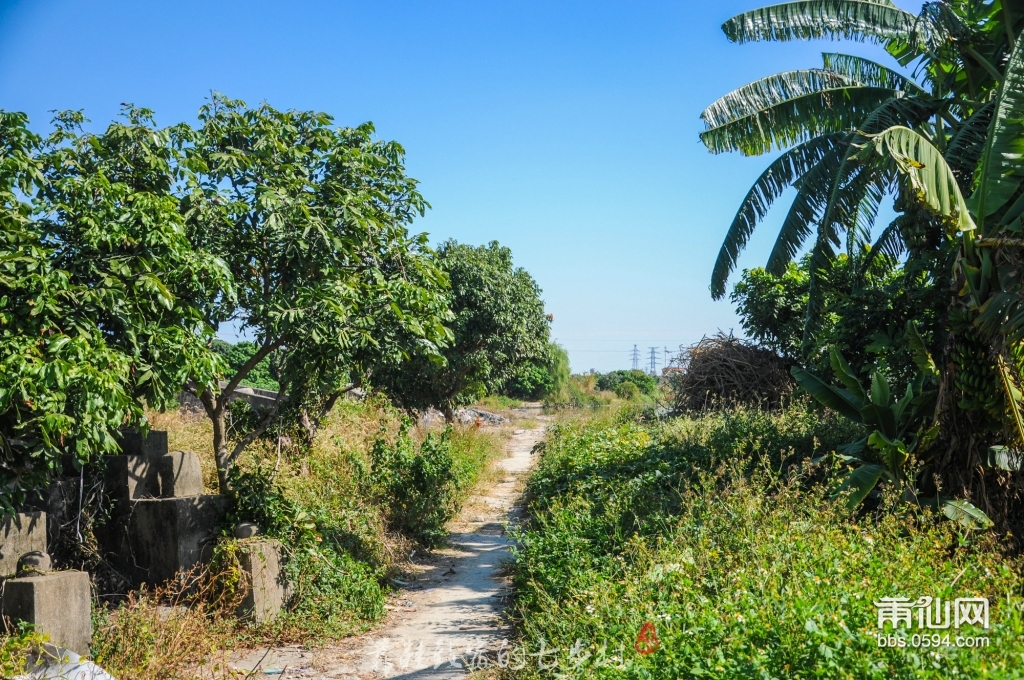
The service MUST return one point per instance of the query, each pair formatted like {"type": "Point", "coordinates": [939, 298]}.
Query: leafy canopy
{"type": "Point", "coordinates": [100, 292]}
{"type": "Point", "coordinates": [499, 325]}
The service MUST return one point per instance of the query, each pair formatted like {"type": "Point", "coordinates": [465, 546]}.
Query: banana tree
{"type": "Point", "coordinates": [988, 225]}
{"type": "Point", "coordinates": [900, 431]}
{"type": "Point", "coordinates": [819, 118]}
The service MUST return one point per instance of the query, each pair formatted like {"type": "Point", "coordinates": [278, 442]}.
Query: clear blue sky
{"type": "Point", "coordinates": [565, 130]}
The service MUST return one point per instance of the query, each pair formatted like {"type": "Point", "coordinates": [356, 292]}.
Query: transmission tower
{"type": "Point", "coordinates": [654, 360]}
{"type": "Point", "coordinates": [636, 358]}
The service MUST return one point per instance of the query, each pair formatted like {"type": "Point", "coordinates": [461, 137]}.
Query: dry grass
{"type": "Point", "coordinates": [170, 632]}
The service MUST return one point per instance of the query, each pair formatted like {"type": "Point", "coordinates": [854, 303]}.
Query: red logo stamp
{"type": "Point", "coordinates": [647, 640]}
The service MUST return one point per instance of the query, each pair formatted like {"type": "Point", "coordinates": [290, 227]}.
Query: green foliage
{"type": "Point", "coordinates": [542, 379]}
{"type": "Point", "coordinates": [260, 375]}
{"type": "Point", "coordinates": [311, 221]}
{"type": "Point", "coordinates": [645, 383]}
{"type": "Point", "coordinates": [422, 487]}
{"type": "Point", "coordinates": [743, 574]}
{"type": "Point", "coordinates": [331, 587]}
{"type": "Point", "coordinates": [499, 326]}
{"type": "Point", "coordinates": [16, 646]}
{"type": "Point", "coordinates": [100, 292]}
{"type": "Point", "coordinates": [869, 301]}
{"type": "Point", "coordinates": [772, 308]}
{"type": "Point", "coordinates": [627, 390]}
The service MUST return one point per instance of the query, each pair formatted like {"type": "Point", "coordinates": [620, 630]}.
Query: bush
{"type": "Point", "coordinates": [743, 573]}
{"type": "Point", "coordinates": [647, 384]}
{"type": "Point", "coordinates": [627, 390]}
{"type": "Point", "coordinates": [334, 592]}
{"type": "Point", "coordinates": [422, 488]}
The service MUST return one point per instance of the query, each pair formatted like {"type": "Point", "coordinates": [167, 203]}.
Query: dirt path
{"type": "Point", "coordinates": [449, 604]}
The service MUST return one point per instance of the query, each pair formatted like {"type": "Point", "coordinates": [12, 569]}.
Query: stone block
{"type": "Point", "coordinates": [23, 533]}
{"type": "Point", "coordinates": [268, 590]}
{"type": "Point", "coordinates": [167, 535]}
{"type": "Point", "coordinates": [59, 604]}
{"type": "Point", "coordinates": [180, 474]}
{"type": "Point", "coordinates": [130, 478]}
{"type": "Point", "coordinates": [153, 444]}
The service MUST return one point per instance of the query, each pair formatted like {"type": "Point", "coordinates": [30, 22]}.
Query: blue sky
{"type": "Point", "coordinates": [565, 130]}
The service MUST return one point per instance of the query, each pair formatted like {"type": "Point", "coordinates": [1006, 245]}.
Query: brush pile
{"type": "Point", "coordinates": [723, 371]}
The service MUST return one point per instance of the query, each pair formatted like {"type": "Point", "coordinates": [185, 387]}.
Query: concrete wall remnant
{"type": "Point", "coordinates": [21, 533]}
{"type": "Point", "coordinates": [168, 535]}
{"type": "Point", "coordinates": [180, 474]}
{"type": "Point", "coordinates": [58, 604]}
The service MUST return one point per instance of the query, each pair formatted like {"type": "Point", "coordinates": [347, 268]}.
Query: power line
{"type": "Point", "coordinates": [636, 358]}
{"type": "Point", "coordinates": [654, 360]}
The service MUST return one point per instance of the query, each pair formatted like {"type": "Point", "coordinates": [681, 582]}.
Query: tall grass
{"type": "Point", "coordinates": [718, 532]}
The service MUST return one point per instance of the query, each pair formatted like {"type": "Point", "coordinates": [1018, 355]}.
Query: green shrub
{"type": "Point", "coordinates": [743, 572]}
{"type": "Point", "coordinates": [334, 593]}
{"type": "Point", "coordinates": [627, 390]}
{"type": "Point", "coordinates": [647, 384]}
{"type": "Point", "coordinates": [422, 488]}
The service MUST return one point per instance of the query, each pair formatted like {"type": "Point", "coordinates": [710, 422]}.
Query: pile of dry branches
{"type": "Point", "coordinates": [723, 371]}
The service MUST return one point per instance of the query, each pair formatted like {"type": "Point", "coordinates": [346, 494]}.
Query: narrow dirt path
{"type": "Point", "coordinates": [449, 604]}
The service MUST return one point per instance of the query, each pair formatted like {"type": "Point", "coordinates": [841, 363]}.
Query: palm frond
{"type": "Point", "coordinates": [889, 244]}
{"type": "Point", "coordinates": [1002, 162]}
{"type": "Point", "coordinates": [825, 182]}
{"type": "Point", "coordinates": [770, 91]}
{"type": "Point", "coordinates": [966, 146]}
{"type": "Point", "coordinates": [811, 199]}
{"type": "Point", "coordinates": [862, 20]}
{"type": "Point", "coordinates": [867, 72]}
{"type": "Point", "coordinates": [926, 170]}
{"type": "Point", "coordinates": [796, 120]}
{"type": "Point", "coordinates": [781, 174]}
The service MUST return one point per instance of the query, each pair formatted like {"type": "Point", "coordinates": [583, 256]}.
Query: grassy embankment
{"type": "Point", "coordinates": [719, 532]}
{"type": "Point", "coordinates": [341, 509]}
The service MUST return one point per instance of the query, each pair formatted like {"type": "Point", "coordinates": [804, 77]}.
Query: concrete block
{"type": "Point", "coordinates": [23, 533]}
{"type": "Point", "coordinates": [134, 444]}
{"type": "Point", "coordinates": [129, 478]}
{"type": "Point", "coordinates": [180, 474]}
{"type": "Point", "coordinates": [268, 590]}
{"type": "Point", "coordinates": [167, 535]}
{"type": "Point", "coordinates": [59, 604]}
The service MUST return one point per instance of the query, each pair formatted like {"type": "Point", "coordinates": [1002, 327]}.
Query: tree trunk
{"type": "Point", "coordinates": [220, 448]}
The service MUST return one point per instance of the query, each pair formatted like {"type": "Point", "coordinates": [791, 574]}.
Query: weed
{"type": "Point", "coordinates": [743, 571]}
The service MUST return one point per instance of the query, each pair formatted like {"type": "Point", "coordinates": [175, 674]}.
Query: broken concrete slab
{"type": "Point", "coordinates": [261, 560]}
{"type": "Point", "coordinates": [180, 474]}
{"type": "Point", "coordinates": [58, 604]}
{"type": "Point", "coordinates": [21, 533]}
{"type": "Point", "coordinates": [168, 535]}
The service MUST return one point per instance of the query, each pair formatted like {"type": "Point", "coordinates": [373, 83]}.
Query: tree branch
{"type": "Point", "coordinates": [240, 374]}
{"type": "Point", "coordinates": [260, 429]}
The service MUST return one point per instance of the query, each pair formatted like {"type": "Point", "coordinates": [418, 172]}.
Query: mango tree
{"type": "Point", "coordinates": [311, 221]}
{"type": "Point", "coordinates": [499, 326]}
{"type": "Point", "coordinates": [99, 292]}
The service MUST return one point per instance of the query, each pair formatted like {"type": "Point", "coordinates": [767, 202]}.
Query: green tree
{"type": "Point", "coordinates": [646, 383]}
{"type": "Point", "coordinates": [499, 325]}
{"type": "Point", "coordinates": [542, 378]}
{"type": "Point", "coordinates": [99, 292]}
{"type": "Point", "coordinates": [236, 356]}
{"type": "Point", "coordinates": [312, 223]}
